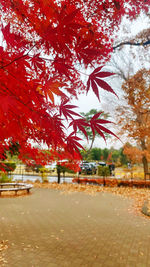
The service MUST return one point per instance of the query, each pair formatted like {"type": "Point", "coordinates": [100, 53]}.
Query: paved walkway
{"type": "Point", "coordinates": [50, 229]}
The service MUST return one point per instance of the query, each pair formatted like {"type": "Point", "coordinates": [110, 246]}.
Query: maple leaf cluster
{"type": "Point", "coordinates": [43, 44]}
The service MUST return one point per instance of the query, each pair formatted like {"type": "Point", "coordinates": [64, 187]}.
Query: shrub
{"type": "Point", "coordinates": [99, 181]}
{"type": "Point", "coordinates": [111, 182]}
{"type": "Point", "coordinates": [75, 180]}
{"type": "Point", "coordinates": [93, 181]}
{"type": "Point", "coordinates": [103, 171]}
{"type": "Point", "coordinates": [63, 169]}
{"type": "Point", "coordinates": [43, 170]}
{"type": "Point", "coordinates": [4, 178]}
{"type": "Point", "coordinates": [83, 181]}
{"type": "Point", "coordinates": [43, 175]}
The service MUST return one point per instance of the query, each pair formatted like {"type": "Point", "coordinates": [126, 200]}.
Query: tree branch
{"type": "Point", "coordinates": [17, 58]}
{"type": "Point", "coordinates": [131, 43]}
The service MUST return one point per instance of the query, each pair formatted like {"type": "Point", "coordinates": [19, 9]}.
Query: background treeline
{"type": "Point", "coordinates": [106, 155]}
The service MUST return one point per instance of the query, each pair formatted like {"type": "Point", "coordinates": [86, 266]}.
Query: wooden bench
{"type": "Point", "coordinates": [4, 187]}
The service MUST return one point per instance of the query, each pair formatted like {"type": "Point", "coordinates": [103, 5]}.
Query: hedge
{"type": "Point", "coordinates": [113, 182]}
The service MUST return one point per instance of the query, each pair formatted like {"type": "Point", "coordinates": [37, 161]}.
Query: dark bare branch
{"type": "Point", "coordinates": [132, 44]}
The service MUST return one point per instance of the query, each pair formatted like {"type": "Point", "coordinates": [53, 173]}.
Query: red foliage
{"type": "Point", "coordinates": [112, 182]}
{"type": "Point", "coordinates": [43, 43]}
{"type": "Point", "coordinates": [95, 81]}
{"type": "Point", "coordinates": [96, 126]}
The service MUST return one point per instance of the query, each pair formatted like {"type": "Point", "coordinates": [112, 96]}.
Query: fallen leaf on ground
{"type": "Point", "coordinates": [139, 195]}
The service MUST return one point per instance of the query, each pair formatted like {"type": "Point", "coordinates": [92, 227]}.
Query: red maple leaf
{"type": "Point", "coordinates": [72, 143]}
{"type": "Point", "coordinates": [96, 126]}
{"type": "Point", "coordinates": [94, 81]}
{"type": "Point", "coordinates": [37, 62]}
{"type": "Point", "coordinates": [6, 102]}
{"type": "Point", "coordinates": [66, 110]}
{"type": "Point", "coordinates": [51, 88]}
{"type": "Point", "coordinates": [80, 124]}
{"type": "Point", "coordinates": [68, 18]}
{"type": "Point", "coordinates": [61, 67]}
{"type": "Point", "coordinates": [13, 39]}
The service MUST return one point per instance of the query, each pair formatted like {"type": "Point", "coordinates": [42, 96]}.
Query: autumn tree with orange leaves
{"type": "Point", "coordinates": [135, 116]}
{"type": "Point", "coordinates": [133, 153]}
{"type": "Point", "coordinates": [46, 46]}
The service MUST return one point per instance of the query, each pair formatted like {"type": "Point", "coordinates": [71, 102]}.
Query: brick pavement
{"type": "Point", "coordinates": [50, 229]}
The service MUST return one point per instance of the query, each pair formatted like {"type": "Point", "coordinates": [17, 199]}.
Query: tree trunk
{"type": "Point", "coordinates": [93, 139]}
{"type": "Point", "coordinates": [104, 182]}
{"type": "Point", "coordinates": [145, 165]}
{"type": "Point", "coordinates": [144, 159]}
{"type": "Point", "coordinates": [58, 174]}
{"type": "Point", "coordinates": [58, 181]}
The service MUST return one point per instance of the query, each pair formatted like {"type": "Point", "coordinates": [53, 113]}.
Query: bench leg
{"type": "Point", "coordinates": [16, 192]}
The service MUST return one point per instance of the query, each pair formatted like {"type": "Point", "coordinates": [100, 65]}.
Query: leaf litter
{"type": "Point", "coordinates": [139, 195]}
{"type": "Point", "coordinates": [3, 247]}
